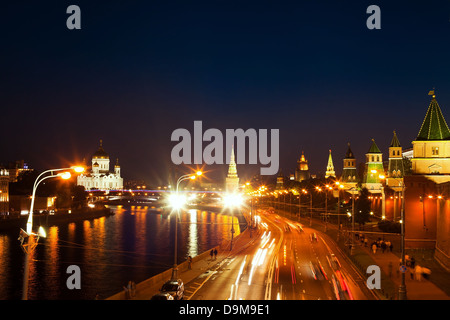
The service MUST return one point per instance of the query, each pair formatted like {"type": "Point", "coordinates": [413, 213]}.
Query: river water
{"type": "Point", "coordinates": [134, 244]}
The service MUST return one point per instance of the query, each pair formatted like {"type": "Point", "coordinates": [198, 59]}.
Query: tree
{"type": "Point", "coordinates": [362, 207]}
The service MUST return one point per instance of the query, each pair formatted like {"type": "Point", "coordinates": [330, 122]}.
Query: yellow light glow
{"type": "Point", "coordinates": [177, 201]}
{"type": "Point", "coordinates": [233, 200]}
{"type": "Point", "coordinates": [65, 175]}
{"type": "Point", "coordinates": [78, 169]}
{"type": "Point", "coordinates": [199, 173]}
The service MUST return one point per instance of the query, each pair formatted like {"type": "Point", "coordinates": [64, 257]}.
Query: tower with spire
{"type": "Point", "coordinates": [302, 170]}
{"type": "Point", "coordinates": [330, 168]}
{"type": "Point", "coordinates": [373, 169]}
{"type": "Point", "coordinates": [395, 170]}
{"type": "Point", "coordinates": [349, 176]}
{"type": "Point", "coordinates": [280, 181]}
{"type": "Point", "coordinates": [431, 149]}
{"type": "Point", "coordinates": [232, 179]}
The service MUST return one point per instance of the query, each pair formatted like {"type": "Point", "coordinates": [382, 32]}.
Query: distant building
{"type": "Point", "coordinates": [16, 168]}
{"type": "Point", "coordinates": [349, 176]}
{"type": "Point", "coordinates": [98, 177]}
{"type": "Point", "coordinates": [302, 170]}
{"type": "Point", "coordinates": [373, 169]}
{"type": "Point", "coordinates": [396, 170]}
{"type": "Point", "coordinates": [280, 181]}
{"type": "Point", "coordinates": [408, 153]}
{"type": "Point", "coordinates": [232, 179]}
{"type": "Point", "coordinates": [431, 149]}
{"type": "Point", "coordinates": [330, 173]}
{"type": "Point", "coordinates": [4, 191]}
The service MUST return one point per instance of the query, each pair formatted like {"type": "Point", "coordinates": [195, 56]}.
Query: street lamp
{"type": "Point", "coordinates": [352, 249]}
{"type": "Point", "coordinates": [33, 238]}
{"type": "Point", "coordinates": [402, 288]}
{"type": "Point", "coordinates": [340, 186]}
{"type": "Point", "coordinates": [231, 201]}
{"type": "Point", "coordinates": [177, 202]}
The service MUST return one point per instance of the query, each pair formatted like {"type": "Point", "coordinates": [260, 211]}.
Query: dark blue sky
{"type": "Point", "coordinates": [137, 70]}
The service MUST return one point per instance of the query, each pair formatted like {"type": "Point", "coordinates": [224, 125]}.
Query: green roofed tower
{"type": "Point", "coordinates": [431, 149]}
{"type": "Point", "coordinates": [434, 126]}
{"type": "Point", "coordinates": [373, 169]}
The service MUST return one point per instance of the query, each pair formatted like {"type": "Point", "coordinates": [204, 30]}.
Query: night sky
{"type": "Point", "coordinates": [137, 70]}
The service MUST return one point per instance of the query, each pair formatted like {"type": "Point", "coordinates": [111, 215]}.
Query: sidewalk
{"type": "Point", "coordinates": [422, 289]}
{"type": "Point", "coordinates": [204, 265]}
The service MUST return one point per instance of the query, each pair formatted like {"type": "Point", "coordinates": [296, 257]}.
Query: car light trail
{"type": "Point", "coordinates": [294, 279]}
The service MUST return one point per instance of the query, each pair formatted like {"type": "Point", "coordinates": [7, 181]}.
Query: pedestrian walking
{"type": "Point", "coordinates": [374, 248]}
{"type": "Point", "coordinates": [418, 272]}
{"type": "Point", "coordinates": [211, 253]}
{"type": "Point", "coordinates": [388, 245]}
{"type": "Point", "coordinates": [365, 242]}
{"type": "Point", "coordinates": [412, 262]}
{"type": "Point", "coordinates": [215, 254]}
{"type": "Point", "coordinates": [391, 247]}
{"type": "Point", "coordinates": [383, 246]}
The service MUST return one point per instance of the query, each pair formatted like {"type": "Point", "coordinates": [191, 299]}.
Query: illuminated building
{"type": "Point", "coordinates": [431, 149]}
{"type": "Point", "coordinates": [302, 170]}
{"type": "Point", "coordinates": [232, 179]}
{"type": "Point", "coordinates": [427, 198]}
{"type": "Point", "coordinates": [349, 177]}
{"type": "Point", "coordinates": [17, 168]}
{"type": "Point", "coordinates": [330, 168]}
{"type": "Point", "coordinates": [280, 181]}
{"type": "Point", "coordinates": [373, 169]}
{"type": "Point", "coordinates": [99, 177]}
{"type": "Point", "coordinates": [396, 170]}
{"type": "Point", "coordinates": [4, 190]}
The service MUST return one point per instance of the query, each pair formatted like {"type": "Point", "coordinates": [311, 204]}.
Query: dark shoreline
{"type": "Point", "coordinates": [58, 217]}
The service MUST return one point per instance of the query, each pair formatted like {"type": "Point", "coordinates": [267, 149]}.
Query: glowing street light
{"type": "Point", "coordinates": [177, 202]}
{"type": "Point", "coordinates": [232, 201]}
{"type": "Point", "coordinates": [31, 242]}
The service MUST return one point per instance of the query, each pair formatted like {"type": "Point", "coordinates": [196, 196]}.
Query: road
{"type": "Point", "coordinates": [285, 261]}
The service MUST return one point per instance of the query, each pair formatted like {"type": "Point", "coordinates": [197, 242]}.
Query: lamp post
{"type": "Point", "coordinates": [231, 201]}
{"type": "Point", "coordinates": [340, 186]}
{"type": "Point", "coordinates": [177, 203]}
{"type": "Point", "coordinates": [352, 248]}
{"type": "Point", "coordinates": [402, 287]}
{"type": "Point", "coordinates": [33, 238]}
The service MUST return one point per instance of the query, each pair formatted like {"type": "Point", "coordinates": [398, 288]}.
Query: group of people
{"type": "Point", "coordinates": [213, 253]}
{"type": "Point", "coordinates": [380, 244]}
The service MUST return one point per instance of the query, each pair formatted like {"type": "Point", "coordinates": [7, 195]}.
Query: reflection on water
{"type": "Point", "coordinates": [134, 244]}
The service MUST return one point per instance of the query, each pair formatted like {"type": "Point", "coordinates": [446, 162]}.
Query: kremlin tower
{"type": "Point", "coordinates": [232, 179]}
{"type": "Point", "coordinates": [330, 168]}
{"type": "Point", "coordinates": [302, 170]}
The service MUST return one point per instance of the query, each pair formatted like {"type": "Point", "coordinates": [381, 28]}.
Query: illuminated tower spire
{"type": "Point", "coordinates": [302, 170]}
{"type": "Point", "coordinates": [232, 179]}
{"type": "Point", "coordinates": [349, 176]}
{"type": "Point", "coordinates": [330, 168]}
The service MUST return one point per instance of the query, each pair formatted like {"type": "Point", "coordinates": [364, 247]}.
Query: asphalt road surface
{"type": "Point", "coordinates": [285, 261]}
